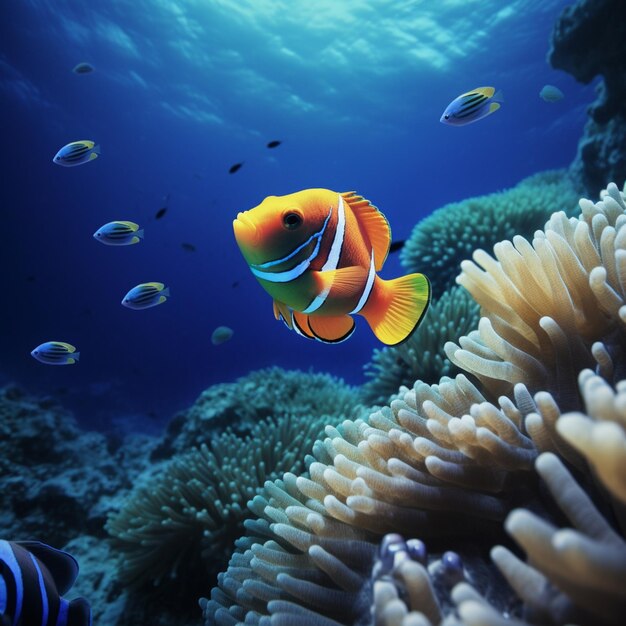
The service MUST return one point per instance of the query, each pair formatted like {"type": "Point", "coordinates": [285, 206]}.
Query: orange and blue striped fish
{"type": "Point", "coordinates": [472, 106]}
{"type": "Point", "coordinates": [33, 577]}
{"type": "Point", "coordinates": [317, 253]}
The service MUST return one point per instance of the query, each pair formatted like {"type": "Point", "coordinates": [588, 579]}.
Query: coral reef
{"type": "Point", "coordinates": [552, 307]}
{"type": "Point", "coordinates": [448, 461]}
{"type": "Point", "coordinates": [55, 475]}
{"type": "Point", "coordinates": [181, 523]}
{"type": "Point", "coordinates": [421, 356]}
{"type": "Point", "coordinates": [270, 392]}
{"type": "Point", "coordinates": [589, 39]}
{"type": "Point", "coordinates": [450, 234]}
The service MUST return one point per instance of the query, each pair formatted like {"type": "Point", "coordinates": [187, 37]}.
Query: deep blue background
{"type": "Point", "coordinates": [181, 91]}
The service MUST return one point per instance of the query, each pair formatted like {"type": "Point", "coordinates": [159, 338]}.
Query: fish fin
{"type": "Point", "coordinates": [162, 299]}
{"type": "Point", "coordinates": [300, 322]}
{"type": "Point", "coordinates": [374, 223]}
{"type": "Point", "coordinates": [139, 233]}
{"type": "Point", "coordinates": [134, 240]}
{"type": "Point", "coordinates": [345, 282]}
{"type": "Point", "coordinates": [283, 312]}
{"type": "Point", "coordinates": [79, 613]}
{"type": "Point", "coordinates": [485, 91]}
{"type": "Point", "coordinates": [76, 356]}
{"type": "Point", "coordinates": [158, 286]}
{"type": "Point", "coordinates": [276, 310]}
{"type": "Point", "coordinates": [494, 106]}
{"type": "Point", "coordinates": [85, 142]}
{"type": "Point", "coordinates": [68, 346]}
{"type": "Point", "coordinates": [96, 148]}
{"type": "Point", "coordinates": [130, 225]}
{"type": "Point", "coordinates": [396, 307]}
{"type": "Point", "coordinates": [93, 155]}
{"type": "Point", "coordinates": [70, 361]}
{"type": "Point", "coordinates": [498, 96]}
{"type": "Point", "coordinates": [166, 292]}
{"type": "Point", "coordinates": [62, 566]}
{"type": "Point", "coordinates": [331, 329]}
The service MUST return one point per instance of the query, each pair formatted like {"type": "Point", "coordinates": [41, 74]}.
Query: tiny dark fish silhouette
{"type": "Point", "coordinates": [188, 246]}
{"type": "Point", "coordinates": [274, 144]}
{"type": "Point", "coordinates": [163, 210]}
{"type": "Point", "coordinates": [234, 168]}
{"type": "Point", "coordinates": [396, 245]}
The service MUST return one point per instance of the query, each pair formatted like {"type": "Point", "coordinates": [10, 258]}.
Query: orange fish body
{"type": "Point", "coordinates": [316, 252]}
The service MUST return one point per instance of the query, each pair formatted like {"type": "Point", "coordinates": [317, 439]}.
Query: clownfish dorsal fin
{"type": "Point", "coordinates": [374, 223]}
{"type": "Point", "coordinates": [61, 565]}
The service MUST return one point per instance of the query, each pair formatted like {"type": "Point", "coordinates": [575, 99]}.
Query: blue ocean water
{"type": "Point", "coordinates": [182, 90]}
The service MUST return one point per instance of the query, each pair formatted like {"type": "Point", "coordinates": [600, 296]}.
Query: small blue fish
{"type": "Point", "coordinates": [472, 106]}
{"type": "Point", "coordinates": [33, 577]}
{"type": "Point", "coordinates": [146, 295]}
{"type": "Point", "coordinates": [119, 233]}
{"type": "Point", "coordinates": [550, 93]}
{"type": "Point", "coordinates": [77, 153]}
{"type": "Point", "coordinates": [56, 353]}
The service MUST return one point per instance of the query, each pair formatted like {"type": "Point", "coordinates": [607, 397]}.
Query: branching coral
{"type": "Point", "coordinates": [185, 519]}
{"type": "Point", "coordinates": [421, 357]}
{"type": "Point", "coordinates": [450, 234]}
{"type": "Point", "coordinates": [444, 461]}
{"type": "Point", "coordinates": [551, 308]}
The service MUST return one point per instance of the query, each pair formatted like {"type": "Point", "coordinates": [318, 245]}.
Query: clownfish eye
{"type": "Point", "coordinates": [292, 220]}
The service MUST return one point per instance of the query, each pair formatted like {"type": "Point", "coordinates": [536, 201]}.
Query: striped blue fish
{"type": "Point", "coordinates": [472, 106]}
{"type": "Point", "coordinates": [119, 233]}
{"type": "Point", "coordinates": [146, 295]}
{"type": "Point", "coordinates": [56, 353]}
{"type": "Point", "coordinates": [77, 153]}
{"type": "Point", "coordinates": [33, 577]}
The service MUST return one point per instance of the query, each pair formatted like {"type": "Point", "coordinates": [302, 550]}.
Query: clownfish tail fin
{"type": "Point", "coordinates": [396, 307]}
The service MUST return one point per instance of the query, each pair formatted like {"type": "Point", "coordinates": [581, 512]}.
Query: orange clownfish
{"type": "Point", "coordinates": [316, 252]}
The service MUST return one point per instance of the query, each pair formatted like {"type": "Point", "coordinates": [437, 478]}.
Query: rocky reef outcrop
{"type": "Point", "coordinates": [589, 40]}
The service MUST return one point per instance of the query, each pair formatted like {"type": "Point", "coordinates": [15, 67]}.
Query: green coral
{"type": "Point", "coordinates": [422, 356]}
{"type": "Point", "coordinates": [239, 405]}
{"type": "Point", "coordinates": [181, 523]}
{"type": "Point", "coordinates": [450, 234]}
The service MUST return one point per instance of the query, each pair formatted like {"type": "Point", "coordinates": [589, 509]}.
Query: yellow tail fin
{"type": "Point", "coordinates": [396, 307]}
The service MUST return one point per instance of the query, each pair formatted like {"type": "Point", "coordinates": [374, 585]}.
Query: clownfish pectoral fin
{"type": "Point", "coordinates": [396, 307]}
{"type": "Point", "coordinates": [331, 329]}
{"type": "Point", "coordinates": [345, 282]}
{"type": "Point", "coordinates": [374, 223]}
{"type": "Point", "coordinates": [283, 312]}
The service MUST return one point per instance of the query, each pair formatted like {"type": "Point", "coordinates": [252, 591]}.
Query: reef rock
{"type": "Point", "coordinates": [589, 39]}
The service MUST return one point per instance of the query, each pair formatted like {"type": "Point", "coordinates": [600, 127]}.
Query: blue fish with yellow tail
{"type": "Point", "coordinates": [317, 253]}
{"type": "Point", "coordinates": [56, 353]}
{"type": "Point", "coordinates": [472, 106]}
{"type": "Point", "coordinates": [119, 233]}
{"type": "Point", "coordinates": [77, 153]}
{"type": "Point", "coordinates": [33, 577]}
{"type": "Point", "coordinates": [146, 295]}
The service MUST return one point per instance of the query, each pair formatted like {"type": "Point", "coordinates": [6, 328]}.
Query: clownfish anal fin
{"type": "Point", "coordinates": [345, 282]}
{"type": "Point", "coordinates": [331, 329]}
{"type": "Point", "coordinates": [374, 223]}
